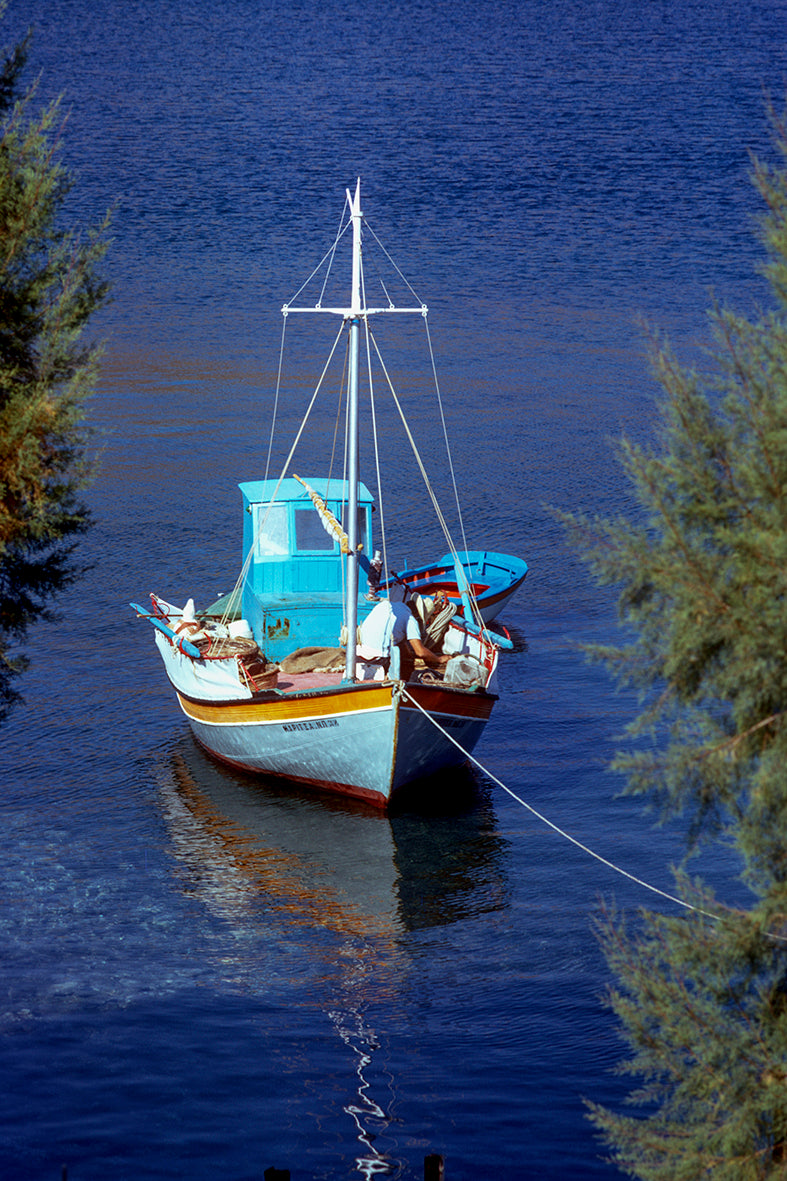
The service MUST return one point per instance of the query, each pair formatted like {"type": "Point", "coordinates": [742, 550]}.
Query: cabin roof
{"type": "Point", "coordinates": [261, 491]}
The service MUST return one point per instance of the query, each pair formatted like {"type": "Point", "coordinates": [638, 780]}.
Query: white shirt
{"type": "Point", "coordinates": [385, 624]}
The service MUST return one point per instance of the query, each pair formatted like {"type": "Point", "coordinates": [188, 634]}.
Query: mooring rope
{"type": "Point", "coordinates": [717, 918]}
{"type": "Point", "coordinates": [556, 828]}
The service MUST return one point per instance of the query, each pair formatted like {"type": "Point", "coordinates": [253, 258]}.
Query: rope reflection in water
{"type": "Point", "coordinates": [359, 1038]}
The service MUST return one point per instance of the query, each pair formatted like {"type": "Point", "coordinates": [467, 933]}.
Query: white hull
{"type": "Point", "coordinates": [299, 593]}
{"type": "Point", "coordinates": [365, 741]}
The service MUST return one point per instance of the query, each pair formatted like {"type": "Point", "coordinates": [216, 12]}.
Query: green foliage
{"type": "Point", "coordinates": [700, 562]}
{"type": "Point", "coordinates": [704, 1010]}
{"type": "Point", "coordinates": [49, 288]}
{"type": "Point", "coordinates": [702, 568]}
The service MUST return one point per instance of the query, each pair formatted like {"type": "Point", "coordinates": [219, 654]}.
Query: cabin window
{"type": "Point", "coordinates": [270, 530]}
{"type": "Point", "coordinates": [362, 514]}
{"type": "Point", "coordinates": [310, 533]}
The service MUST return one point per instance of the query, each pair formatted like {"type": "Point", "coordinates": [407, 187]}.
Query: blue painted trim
{"type": "Point", "coordinates": [495, 637]}
{"type": "Point", "coordinates": [180, 642]}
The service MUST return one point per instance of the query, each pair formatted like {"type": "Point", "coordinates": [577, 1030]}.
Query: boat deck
{"type": "Point", "coordinates": [308, 681]}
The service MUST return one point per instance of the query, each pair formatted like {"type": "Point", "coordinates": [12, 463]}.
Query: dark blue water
{"type": "Point", "coordinates": [202, 977]}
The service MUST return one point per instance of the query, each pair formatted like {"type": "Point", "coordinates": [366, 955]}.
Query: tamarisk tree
{"type": "Point", "coordinates": [700, 562]}
{"type": "Point", "coordinates": [49, 288]}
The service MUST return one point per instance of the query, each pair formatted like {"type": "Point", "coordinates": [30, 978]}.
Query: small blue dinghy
{"type": "Point", "coordinates": [492, 579]}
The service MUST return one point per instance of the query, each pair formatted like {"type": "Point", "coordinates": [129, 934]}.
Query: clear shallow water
{"type": "Point", "coordinates": [201, 976]}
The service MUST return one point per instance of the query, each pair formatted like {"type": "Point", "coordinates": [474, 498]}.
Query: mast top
{"type": "Point", "coordinates": [358, 308]}
{"type": "Point", "coordinates": [357, 218]}
{"type": "Point", "coordinates": [355, 202]}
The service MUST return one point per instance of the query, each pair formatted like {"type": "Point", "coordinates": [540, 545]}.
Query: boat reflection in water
{"type": "Point", "coordinates": [267, 860]}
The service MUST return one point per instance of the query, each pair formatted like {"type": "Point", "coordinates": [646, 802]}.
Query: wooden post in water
{"type": "Point", "coordinates": [434, 1167]}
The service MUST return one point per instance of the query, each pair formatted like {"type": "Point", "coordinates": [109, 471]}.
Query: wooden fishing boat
{"type": "Point", "coordinates": [278, 678]}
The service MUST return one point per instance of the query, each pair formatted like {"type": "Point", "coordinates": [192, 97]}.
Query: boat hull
{"type": "Point", "coordinates": [365, 741]}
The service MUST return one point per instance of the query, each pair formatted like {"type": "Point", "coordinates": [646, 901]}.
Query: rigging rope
{"type": "Point", "coordinates": [328, 258]}
{"type": "Point", "coordinates": [236, 591]}
{"type": "Point", "coordinates": [276, 397]}
{"type": "Point", "coordinates": [561, 832]}
{"type": "Point", "coordinates": [427, 483]}
{"type": "Point", "coordinates": [457, 500]}
{"type": "Point", "coordinates": [332, 254]}
{"type": "Point", "coordinates": [329, 253]}
{"type": "Point", "coordinates": [404, 279]}
{"type": "Point", "coordinates": [445, 437]}
{"type": "Point", "coordinates": [375, 437]}
{"type": "Point", "coordinates": [337, 424]}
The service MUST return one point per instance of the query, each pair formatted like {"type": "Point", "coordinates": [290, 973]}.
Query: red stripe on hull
{"type": "Point", "coordinates": [435, 699]}
{"type": "Point", "coordinates": [490, 600]}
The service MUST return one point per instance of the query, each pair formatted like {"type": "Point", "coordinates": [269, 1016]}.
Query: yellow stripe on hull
{"type": "Point", "coordinates": [362, 740]}
{"type": "Point", "coordinates": [287, 709]}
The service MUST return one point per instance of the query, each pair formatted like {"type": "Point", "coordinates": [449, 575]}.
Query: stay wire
{"type": "Point", "coordinates": [404, 279]}
{"type": "Point", "coordinates": [329, 255]}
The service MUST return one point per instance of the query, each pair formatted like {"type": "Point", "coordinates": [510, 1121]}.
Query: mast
{"type": "Point", "coordinates": [354, 315]}
{"type": "Point", "coordinates": [354, 318]}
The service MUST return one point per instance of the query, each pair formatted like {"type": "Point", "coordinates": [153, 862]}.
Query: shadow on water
{"type": "Point", "coordinates": [352, 883]}
{"type": "Point", "coordinates": [515, 635]}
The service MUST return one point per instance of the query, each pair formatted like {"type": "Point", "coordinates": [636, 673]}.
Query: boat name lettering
{"type": "Point", "coordinates": [317, 725]}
